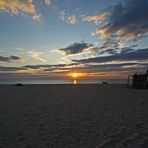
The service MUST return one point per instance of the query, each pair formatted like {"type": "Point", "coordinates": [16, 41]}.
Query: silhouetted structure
{"type": "Point", "coordinates": [19, 84]}
{"type": "Point", "coordinates": [139, 80]}
{"type": "Point", "coordinates": [104, 82]}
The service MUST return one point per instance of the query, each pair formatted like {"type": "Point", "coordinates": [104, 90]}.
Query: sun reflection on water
{"type": "Point", "coordinates": [74, 81]}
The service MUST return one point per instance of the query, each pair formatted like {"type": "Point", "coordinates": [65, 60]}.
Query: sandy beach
{"type": "Point", "coordinates": [73, 116]}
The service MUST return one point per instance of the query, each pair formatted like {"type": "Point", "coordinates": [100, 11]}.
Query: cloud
{"type": "Point", "coordinates": [38, 68]}
{"type": "Point", "coordinates": [98, 70]}
{"type": "Point", "coordinates": [47, 2]}
{"type": "Point", "coordinates": [17, 6]}
{"type": "Point", "coordinates": [90, 49]}
{"type": "Point", "coordinates": [36, 55]}
{"type": "Point", "coordinates": [62, 15]}
{"type": "Point", "coordinates": [71, 19]}
{"type": "Point", "coordinates": [96, 18]}
{"type": "Point", "coordinates": [51, 67]}
{"type": "Point", "coordinates": [34, 67]}
{"type": "Point", "coordinates": [124, 21]}
{"type": "Point", "coordinates": [43, 66]}
{"type": "Point", "coordinates": [36, 17]}
{"type": "Point", "coordinates": [28, 76]}
{"type": "Point", "coordinates": [9, 59]}
{"type": "Point", "coordinates": [55, 68]}
{"type": "Point", "coordinates": [97, 67]}
{"type": "Point", "coordinates": [128, 55]}
{"type": "Point", "coordinates": [76, 48]}
{"type": "Point", "coordinates": [3, 68]}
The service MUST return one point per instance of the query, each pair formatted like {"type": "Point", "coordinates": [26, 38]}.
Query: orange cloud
{"type": "Point", "coordinates": [17, 6]}
{"type": "Point", "coordinates": [96, 18]}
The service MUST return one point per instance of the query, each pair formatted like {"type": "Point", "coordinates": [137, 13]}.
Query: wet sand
{"type": "Point", "coordinates": [73, 116]}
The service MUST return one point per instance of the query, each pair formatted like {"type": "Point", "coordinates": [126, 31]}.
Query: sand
{"type": "Point", "coordinates": [73, 116]}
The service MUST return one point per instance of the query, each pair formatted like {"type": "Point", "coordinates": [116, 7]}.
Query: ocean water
{"type": "Point", "coordinates": [67, 81]}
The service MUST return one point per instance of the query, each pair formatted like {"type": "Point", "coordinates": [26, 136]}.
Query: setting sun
{"type": "Point", "coordinates": [76, 75]}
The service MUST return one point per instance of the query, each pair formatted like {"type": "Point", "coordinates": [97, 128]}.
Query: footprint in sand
{"type": "Point", "coordinates": [40, 132]}
{"type": "Point", "coordinates": [21, 139]}
{"type": "Point", "coordinates": [127, 142]}
{"type": "Point", "coordinates": [41, 126]}
{"type": "Point", "coordinates": [42, 108]}
{"type": "Point", "coordinates": [28, 145]}
{"type": "Point", "coordinates": [25, 114]}
{"type": "Point", "coordinates": [114, 139]}
{"type": "Point", "coordinates": [3, 141]}
{"type": "Point", "coordinates": [20, 136]}
{"type": "Point", "coordinates": [144, 144]}
{"type": "Point", "coordinates": [109, 143]}
{"type": "Point", "coordinates": [2, 145]}
{"type": "Point", "coordinates": [139, 125]}
{"type": "Point", "coordinates": [19, 133]}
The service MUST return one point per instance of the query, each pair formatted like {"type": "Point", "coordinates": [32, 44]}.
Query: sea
{"type": "Point", "coordinates": [65, 81]}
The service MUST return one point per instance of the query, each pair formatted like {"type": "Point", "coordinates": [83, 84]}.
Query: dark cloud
{"type": "Point", "coordinates": [28, 76]}
{"type": "Point", "coordinates": [49, 66]}
{"type": "Point", "coordinates": [88, 67]}
{"type": "Point", "coordinates": [76, 48]}
{"type": "Point", "coordinates": [45, 67]}
{"type": "Point", "coordinates": [107, 51]}
{"type": "Point", "coordinates": [133, 55]}
{"type": "Point", "coordinates": [3, 68]}
{"type": "Point", "coordinates": [85, 67]}
{"type": "Point", "coordinates": [111, 66]}
{"type": "Point", "coordinates": [113, 51]}
{"type": "Point", "coordinates": [125, 21]}
{"type": "Point", "coordinates": [9, 59]}
{"type": "Point", "coordinates": [36, 66]}
{"type": "Point", "coordinates": [128, 49]}
{"type": "Point", "coordinates": [126, 67]}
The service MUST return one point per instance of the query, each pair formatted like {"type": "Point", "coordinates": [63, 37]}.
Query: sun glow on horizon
{"type": "Point", "coordinates": [75, 76]}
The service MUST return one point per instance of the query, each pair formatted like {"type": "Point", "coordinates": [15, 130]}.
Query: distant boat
{"type": "Point", "coordinates": [104, 82]}
{"type": "Point", "coordinates": [19, 84]}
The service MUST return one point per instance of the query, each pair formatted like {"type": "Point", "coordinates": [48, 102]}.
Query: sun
{"type": "Point", "coordinates": [76, 76]}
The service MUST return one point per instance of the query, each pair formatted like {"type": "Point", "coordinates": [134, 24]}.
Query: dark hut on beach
{"type": "Point", "coordinates": [139, 81]}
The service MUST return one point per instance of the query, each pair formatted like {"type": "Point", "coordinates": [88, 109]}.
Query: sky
{"type": "Point", "coordinates": [104, 39]}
